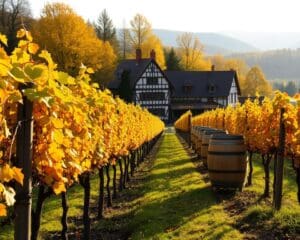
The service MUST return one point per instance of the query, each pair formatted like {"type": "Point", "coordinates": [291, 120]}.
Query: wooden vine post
{"type": "Point", "coordinates": [278, 171]}
{"type": "Point", "coordinates": [23, 204]}
{"type": "Point", "coordinates": [190, 130]}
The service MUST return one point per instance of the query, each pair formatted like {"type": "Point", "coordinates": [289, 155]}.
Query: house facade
{"type": "Point", "coordinates": [168, 94]}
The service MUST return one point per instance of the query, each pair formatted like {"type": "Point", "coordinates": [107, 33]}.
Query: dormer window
{"type": "Point", "coordinates": [187, 88]}
{"type": "Point", "coordinates": [211, 88]}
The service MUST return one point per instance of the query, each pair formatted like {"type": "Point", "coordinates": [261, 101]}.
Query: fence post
{"type": "Point", "coordinates": [278, 172]}
{"type": "Point", "coordinates": [22, 224]}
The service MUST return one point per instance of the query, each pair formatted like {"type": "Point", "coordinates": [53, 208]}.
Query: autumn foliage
{"type": "Point", "coordinates": [259, 124]}
{"type": "Point", "coordinates": [77, 127]}
{"type": "Point", "coordinates": [182, 123]}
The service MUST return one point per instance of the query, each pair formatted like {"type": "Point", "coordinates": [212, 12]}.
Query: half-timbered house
{"type": "Point", "coordinates": [170, 93]}
{"type": "Point", "coordinates": [148, 85]}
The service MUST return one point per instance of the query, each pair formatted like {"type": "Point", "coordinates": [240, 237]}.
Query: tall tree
{"type": "Point", "coordinates": [104, 28]}
{"type": "Point", "coordinates": [256, 83]}
{"type": "Point", "coordinates": [70, 40]}
{"type": "Point", "coordinates": [124, 41]}
{"type": "Point", "coordinates": [191, 53]}
{"type": "Point", "coordinates": [140, 30]}
{"type": "Point", "coordinates": [154, 43]}
{"type": "Point", "coordinates": [142, 37]}
{"type": "Point", "coordinates": [14, 14]}
{"type": "Point", "coordinates": [172, 61]}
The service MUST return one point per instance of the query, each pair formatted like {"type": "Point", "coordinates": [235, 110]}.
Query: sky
{"type": "Point", "coordinates": [194, 15]}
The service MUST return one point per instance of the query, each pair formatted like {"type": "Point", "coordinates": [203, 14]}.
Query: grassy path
{"type": "Point", "coordinates": [178, 202]}
{"type": "Point", "coordinates": [169, 199]}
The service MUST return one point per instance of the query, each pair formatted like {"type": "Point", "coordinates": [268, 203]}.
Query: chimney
{"type": "Point", "coordinates": [138, 55]}
{"type": "Point", "coordinates": [153, 54]}
{"type": "Point", "coordinates": [213, 67]}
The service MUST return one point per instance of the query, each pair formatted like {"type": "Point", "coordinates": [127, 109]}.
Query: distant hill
{"type": "Point", "coordinates": [214, 43]}
{"type": "Point", "coordinates": [268, 40]}
{"type": "Point", "coordinates": [276, 64]}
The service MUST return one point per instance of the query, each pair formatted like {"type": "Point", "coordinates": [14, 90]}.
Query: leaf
{"type": "Point", "coordinates": [33, 94]}
{"type": "Point", "coordinates": [9, 196]}
{"type": "Point", "coordinates": [18, 74]}
{"type": "Point", "coordinates": [58, 187]}
{"type": "Point", "coordinates": [3, 39]}
{"type": "Point", "coordinates": [3, 211]}
{"type": "Point", "coordinates": [90, 70]}
{"type": "Point", "coordinates": [18, 175]}
{"type": "Point", "coordinates": [21, 33]}
{"type": "Point", "coordinates": [33, 48]}
{"type": "Point", "coordinates": [62, 77]}
{"type": "Point", "coordinates": [47, 56]}
{"type": "Point", "coordinates": [57, 123]}
{"type": "Point", "coordinates": [33, 72]}
{"type": "Point", "coordinates": [6, 173]}
{"type": "Point", "coordinates": [2, 188]}
{"type": "Point", "coordinates": [58, 136]}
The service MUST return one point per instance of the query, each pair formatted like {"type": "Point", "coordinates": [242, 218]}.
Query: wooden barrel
{"type": "Point", "coordinates": [227, 161]}
{"type": "Point", "coordinates": [199, 139]}
{"type": "Point", "coordinates": [205, 141]}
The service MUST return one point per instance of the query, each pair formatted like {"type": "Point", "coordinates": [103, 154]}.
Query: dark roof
{"type": "Point", "coordinates": [134, 68]}
{"type": "Point", "coordinates": [201, 81]}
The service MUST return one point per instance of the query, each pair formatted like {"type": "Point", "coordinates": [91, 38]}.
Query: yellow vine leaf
{"type": "Point", "coordinates": [18, 175]}
{"type": "Point", "coordinates": [57, 123]}
{"type": "Point", "coordinates": [6, 173]}
{"type": "Point", "coordinates": [21, 33]}
{"type": "Point", "coordinates": [33, 48]}
{"type": "Point", "coordinates": [3, 39]}
{"type": "Point", "coordinates": [58, 136]}
{"type": "Point", "coordinates": [3, 211]}
{"type": "Point", "coordinates": [58, 187]}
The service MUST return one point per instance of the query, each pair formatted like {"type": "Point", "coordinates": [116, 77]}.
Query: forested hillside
{"type": "Point", "coordinates": [277, 64]}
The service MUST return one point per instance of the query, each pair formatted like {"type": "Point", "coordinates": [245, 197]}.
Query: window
{"type": "Point", "coordinates": [154, 96]}
{"type": "Point", "coordinates": [187, 88]}
{"type": "Point", "coordinates": [211, 88]}
{"type": "Point", "coordinates": [152, 80]}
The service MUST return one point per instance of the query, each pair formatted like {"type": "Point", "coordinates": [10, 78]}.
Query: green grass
{"type": "Point", "coordinates": [177, 203]}
{"type": "Point", "coordinates": [170, 199]}
{"type": "Point", "coordinates": [52, 210]}
{"type": "Point", "coordinates": [288, 218]}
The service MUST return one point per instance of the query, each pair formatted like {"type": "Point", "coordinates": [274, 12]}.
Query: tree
{"type": "Point", "coordinates": [105, 29]}
{"type": "Point", "coordinates": [70, 40]}
{"type": "Point", "coordinates": [124, 41]}
{"type": "Point", "coordinates": [140, 30]}
{"type": "Point", "coordinates": [14, 14]}
{"type": "Point", "coordinates": [142, 37]}
{"type": "Point", "coordinates": [256, 83]}
{"type": "Point", "coordinates": [191, 53]}
{"type": "Point", "coordinates": [172, 61]}
{"type": "Point", "coordinates": [154, 43]}
{"type": "Point", "coordinates": [238, 65]}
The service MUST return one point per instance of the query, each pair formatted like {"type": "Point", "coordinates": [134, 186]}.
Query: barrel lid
{"type": "Point", "coordinates": [227, 137]}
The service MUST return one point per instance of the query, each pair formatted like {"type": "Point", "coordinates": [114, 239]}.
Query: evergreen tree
{"type": "Point", "coordinates": [172, 60]}
{"type": "Point", "coordinates": [105, 29]}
